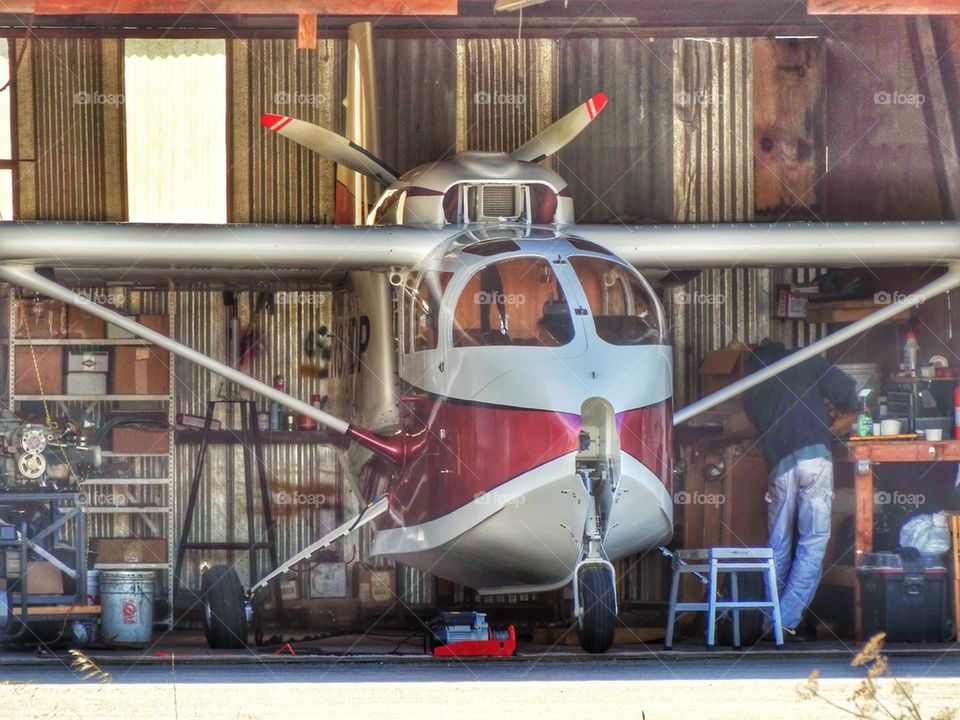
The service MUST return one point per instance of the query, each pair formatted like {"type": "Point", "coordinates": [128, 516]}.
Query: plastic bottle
{"type": "Point", "coordinates": [910, 351]}
{"type": "Point", "coordinates": [276, 409]}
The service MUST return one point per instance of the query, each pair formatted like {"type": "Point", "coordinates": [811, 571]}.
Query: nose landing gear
{"type": "Point", "coordinates": [595, 604]}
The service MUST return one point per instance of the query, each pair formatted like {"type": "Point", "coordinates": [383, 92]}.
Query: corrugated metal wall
{"type": "Point", "coordinates": [271, 178]}
{"type": "Point", "coordinates": [713, 182]}
{"type": "Point", "coordinates": [69, 128]}
{"type": "Point", "coordinates": [278, 347]}
{"type": "Point", "coordinates": [621, 169]}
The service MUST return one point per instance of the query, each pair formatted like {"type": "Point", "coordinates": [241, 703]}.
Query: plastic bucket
{"type": "Point", "coordinates": [126, 601]}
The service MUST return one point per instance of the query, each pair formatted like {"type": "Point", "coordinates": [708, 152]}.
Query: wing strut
{"type": "Point", "coordinates": [943, 284]}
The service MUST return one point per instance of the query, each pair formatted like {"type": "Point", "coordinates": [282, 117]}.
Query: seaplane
{"type": "Point", "coordinates": [506, 391]}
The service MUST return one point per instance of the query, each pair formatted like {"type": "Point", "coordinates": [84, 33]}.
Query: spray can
{"type": "Point", "coordinates": [910, 350]}
{"type": "Point", "coordinates": [956, 411]}
{"type": "Point", "coordinates": [276, 409]}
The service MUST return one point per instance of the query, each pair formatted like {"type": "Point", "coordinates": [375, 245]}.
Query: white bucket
{"type": "Point", "coordinates": [126, 599]}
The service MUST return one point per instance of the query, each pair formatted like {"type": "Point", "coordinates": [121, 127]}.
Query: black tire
{"type": "Point", "coordinates": [598, 600]}
{"type": "Point", "coordinates": [224, 615]}
{"type": "Point", "coordinates": [752, 586]}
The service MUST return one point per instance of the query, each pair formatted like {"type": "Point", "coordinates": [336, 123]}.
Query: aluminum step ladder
{"type": "Point", "coordinates": [707, 565]}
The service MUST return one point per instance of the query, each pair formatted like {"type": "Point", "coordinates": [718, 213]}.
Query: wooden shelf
{"type": "Point", "coordinates": [836, 312]}
{"type": "Point", "coordinates": [268, 437]}
{"type": "Point", "coordinates": [91, 398]}
{"type": "Point", "coordinates": [93, 342]}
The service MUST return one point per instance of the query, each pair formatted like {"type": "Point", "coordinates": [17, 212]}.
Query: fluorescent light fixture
{"type": "Point", "coordinates": [511, 5]}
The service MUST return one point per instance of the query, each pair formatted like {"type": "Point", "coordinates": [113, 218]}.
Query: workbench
{"type": "Point", "coordinates": [864, 456]}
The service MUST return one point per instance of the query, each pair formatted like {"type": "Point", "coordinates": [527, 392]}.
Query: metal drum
{"type": "Point", "coordinates": [126, 599]}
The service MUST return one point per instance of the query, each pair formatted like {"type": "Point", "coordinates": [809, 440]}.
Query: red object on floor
{"type": "Point", "coordinates": [285, 647]}
{"type": "Point", "coordinates": [480, 648]}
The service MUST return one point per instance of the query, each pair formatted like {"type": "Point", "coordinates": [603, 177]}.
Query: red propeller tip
{"type": "Point", "coordinates": [268, 120]}
{"type": "Point", "coordinates": [599, 100]}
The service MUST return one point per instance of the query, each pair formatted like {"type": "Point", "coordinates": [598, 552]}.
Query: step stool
{"type": "Point", "coordinates": [724, 560]}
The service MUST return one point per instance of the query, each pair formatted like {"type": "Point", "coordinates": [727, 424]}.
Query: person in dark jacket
{"type": "Point", "coordinates": [790, 415]}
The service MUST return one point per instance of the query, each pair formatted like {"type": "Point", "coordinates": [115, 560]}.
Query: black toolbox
{"type": "Point", "coordinates": [904, 594]}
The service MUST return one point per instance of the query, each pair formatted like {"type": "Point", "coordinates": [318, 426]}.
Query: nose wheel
{"type": "Point", "coordinates": [597, 613]}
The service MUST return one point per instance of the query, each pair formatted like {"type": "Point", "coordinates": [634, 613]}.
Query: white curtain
{"type": "Point", "coordinates": [175, 94]}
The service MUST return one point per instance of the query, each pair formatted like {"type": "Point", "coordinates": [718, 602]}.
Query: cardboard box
{"type": "Point", "coordinates": [115, 332]}
{"type": "Point", "coordinates": [94, 361]}
{"type": "Point", "coordinates": [141, 371]}
{"type": "Point", "coordinates": [130, 550]}
{"type": "Point", "coordinates": [82, 324]}
{"type": "Point", "coordinates": [724, 366]}
{"type": "Point", "coordinates": [376, 586]}
{"type": "Point", "coordinates": [41, 376]}
{"type": "Point", "coordinates": [86, 383]}
{"type": "Point", "coordinates": [41, 319]}
{"type": "Point", "coordinates": [157, 323]}
{"type": "Point", "coordinates": [139, 440]}
{"type": "Point", "coordinates": [43, 578]}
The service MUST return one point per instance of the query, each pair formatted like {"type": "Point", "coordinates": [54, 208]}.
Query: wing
{"type": "Point", "coordinates": [548, 141]}
{"type": "Point", "coordinates": [331, 146]}
{"type": "Point", "coordinates": [206, 252]}
{"type": "Point", "coordinates": [694, 247]}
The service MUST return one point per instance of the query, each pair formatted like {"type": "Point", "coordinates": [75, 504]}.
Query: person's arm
{"type": "Point", "coordinates": [839, 388]}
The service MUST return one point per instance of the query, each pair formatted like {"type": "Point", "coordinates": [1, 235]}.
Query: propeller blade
{"type": "Point", "coordinates": [332, 146]}
{"type": "Point", "coordinates": [548, 141]}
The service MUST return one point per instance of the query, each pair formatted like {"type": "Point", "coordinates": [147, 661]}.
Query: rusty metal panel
{"type": "Point", "coordinates": [417, 99]}
{"type": "Point", "coordinates": [70, 129]}
{"type": "Point", "coordinates": [506, 92]}
{"type": "Point", "coordinates": [271, 178]}
{"type": "Point", "coordinates": [621, 168]}
{"type": "Point", "coordinates": [713, 182]}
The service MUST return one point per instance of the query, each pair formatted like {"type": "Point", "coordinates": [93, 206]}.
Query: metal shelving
{"type": "Point", "coordinates": [140, 493]}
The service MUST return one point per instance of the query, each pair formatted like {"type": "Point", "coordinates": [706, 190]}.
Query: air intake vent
{"type": "Point", "coordinates": [499, 201]}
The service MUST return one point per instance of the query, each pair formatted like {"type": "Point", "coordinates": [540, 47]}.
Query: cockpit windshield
{"type": "Point", "coordinates": [623, 307]}
{"type": "Point", "coordinates": [516, 301]}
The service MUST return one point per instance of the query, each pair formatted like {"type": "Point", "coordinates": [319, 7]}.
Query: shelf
{"type": "Point", "coordinates": [112, 454]}
{"type": "Point", "coordinates": [267, 437]}
{"type": "Point", "coordinates": [131, 566]}
{"type": "Point", "coordinates": [121, 509]}
{"type": "Point", "coordinates": [91, 398]}
{"type": "Point", "coordinates": [847, 311]}
{"type": "Point", "coordinates": [81, 341]}
{"type": "Point", "coordinates": [125, 481]}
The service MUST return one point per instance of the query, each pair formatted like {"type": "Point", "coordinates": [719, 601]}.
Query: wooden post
{"type": "Point", "coordinates": [863, 537]}
{"type": "Point", "coordinates": [306, 32]}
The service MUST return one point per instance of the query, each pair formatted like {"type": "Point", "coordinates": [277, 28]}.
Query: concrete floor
{"type": "Point", "coordinates": [388, 675]}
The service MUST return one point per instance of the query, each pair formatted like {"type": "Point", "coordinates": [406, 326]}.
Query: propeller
{"type": "Point", "coordinates": [333, 147]}
{"type": "Point", "coordinates": [548, 141]}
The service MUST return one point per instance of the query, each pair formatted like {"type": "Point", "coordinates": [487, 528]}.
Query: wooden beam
{"type": "Point", "coordinates": [246, 7]}
{"type": "Point", "coordinates": [306, 32]}
{"type": "Point", "coordinates": [58, 610]}
{"type": "Point", "coordinates": [883, 7]}
{"type": "Point", "coordinates": [932, 67]}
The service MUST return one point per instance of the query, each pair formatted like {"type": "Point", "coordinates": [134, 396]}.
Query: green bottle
{"type": "Point", "coordinates": [864, 419]}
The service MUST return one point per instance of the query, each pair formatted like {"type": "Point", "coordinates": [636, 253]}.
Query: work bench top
{"type": "Point", "coordinates": [898, 451]}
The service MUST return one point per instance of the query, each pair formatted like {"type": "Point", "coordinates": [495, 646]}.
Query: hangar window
{"type": "Point", "coordinates": [624, 310]}
{"type": "Point", "coordinates": [425, 296]}
{"type": "Point", "coordinates": [517, 301]}
{"type": "Point", "coordinates": [7, 164]}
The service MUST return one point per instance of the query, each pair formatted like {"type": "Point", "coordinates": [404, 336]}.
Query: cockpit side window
{"type": "Point", "coordinates": [517, 301]}
{"type": "Point", "coordinates": [624, 310]}
{"type": "Point", "coordinates": [424, 297]}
